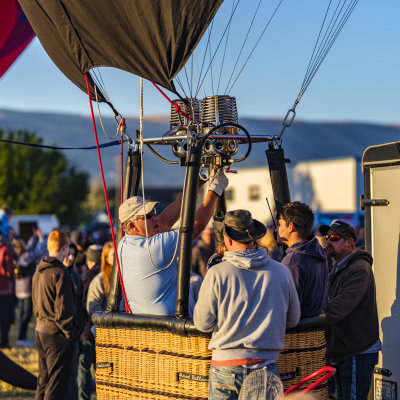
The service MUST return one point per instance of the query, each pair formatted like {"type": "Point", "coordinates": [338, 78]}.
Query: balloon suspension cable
{"type": "Point", "coordinates": [127, 308]}
{"type": "Point", "coordinates": [333, 22]}
{"type": "Point", "coordinates": [288, 120]}
{"type": "Point", "coordinates": [101, 119]}
{"type": "Point", "coordinates": [177, 109]}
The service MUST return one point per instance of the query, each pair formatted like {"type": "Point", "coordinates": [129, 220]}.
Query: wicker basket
{"type": "Point", "coordinates": [304, 353]}
{"type": "Point", "coordinates": [151, 364]}
{"type": "Point", "coordinates": [141, 361]}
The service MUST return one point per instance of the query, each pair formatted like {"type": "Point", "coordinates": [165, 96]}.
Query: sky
{"type": "Point", "coordinates": [357, 82]}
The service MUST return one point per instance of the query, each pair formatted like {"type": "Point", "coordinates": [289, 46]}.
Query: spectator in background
{"type": "Point", "coordinates": [6, 290]}
{"type": "Point", "coordinates": [202, 251]}
{"type": "Point", "coordinates": [55, 310]}
{"type": "Point", "coordinates": [100, 285]}
{"type": "Point", "coordinates": [6, 212]}
{"type": "Point", "coordinates": [87, 352]}
{"type": "Point", "coordinates": [80, 320]}
{"type": "Point", "coordinates": [304, 256]}
{"type": "Point", "coordinates": [35, 249]}
{"type": "Point", "coordinates": [80, 240]}
{"type": "Point", "coordinates": [269, 242]}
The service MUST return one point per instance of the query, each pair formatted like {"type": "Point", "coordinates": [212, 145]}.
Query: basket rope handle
{"type": "Point", "coordinates": [330, 371]}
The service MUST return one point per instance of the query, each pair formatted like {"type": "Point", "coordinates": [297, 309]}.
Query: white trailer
{"type": "Point", "coordinates": [381, 168]}
{"type": "Point", "coordinates": [23, 224]}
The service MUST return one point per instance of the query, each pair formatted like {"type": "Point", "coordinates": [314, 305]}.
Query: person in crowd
{"type": "Point", "coordinates": [79, 238]}
{"type": "Point", "coordinates": [35, 249]}
{"type": "Point", "coordinates": [304, 256]}
{"type": "Point", "coordinates": [54, 309]}
{"type": "Point", "coordinates": [268, 241]}
{"type": "Point", "coordinates": [99, 288]}
{"type": "Point", "coordinates": [202, 251]}
{"type": "Point", "coordinates": [216, 258]}
{"type": "Point", "coordinates": [6, 290]}
{"type": "Point", "coordinates": [247, 301]}
{"type": "Point", "coordinates": [6, 213]}
{"type": "Point", "coordinates": [352, 330]}
{"type": "Point", "coordinates": [148, 252]}
{"type": "Point", "coordinates": [80, 320]}
{"type": "Point", "coordinates": [87, 351]}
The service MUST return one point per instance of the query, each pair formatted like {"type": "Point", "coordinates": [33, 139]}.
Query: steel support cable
{"type": "Point", "coordinates": [100, 82]}
{"type": "Point", "coordinates": [254, 47]}
{"type": "Point", "coordinates": [223, 56]}
{"type": "Point", "coordinates": [243, 44]}
{"type": "Point", "coordinates": [204, 59]}
{"type": "Point", "coordinates": [219, 44]}
{"type": "Point", "coordinates": [327, 46]}
{"type": "Point", "coordinates": [319, 53]}
{"type": "Point", "coordinates": [193, 59]}
{"type": "Point", "coordinates": [101, 119]}
{"type": "Point", "coordinates": [326, 42]}
{"type": "Point", "coordinates": [211, 67]}
{"type": "Point", "coordinates": [127, 308]}
{"type": "Point", "coordinates": [316, 42]}
{"type": "Point", "coordinates": [187, 80]}
{"type": "Point", "coordinates": [180, 85]}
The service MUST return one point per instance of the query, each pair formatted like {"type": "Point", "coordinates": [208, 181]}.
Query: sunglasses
{"type": "Point", "coordinates": [150, 215]}
{"type": "Point", "coordinates": [333, 237]}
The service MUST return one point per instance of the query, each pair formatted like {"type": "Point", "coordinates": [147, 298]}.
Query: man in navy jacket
{"type": "Point", "coordinates": [304, 256]}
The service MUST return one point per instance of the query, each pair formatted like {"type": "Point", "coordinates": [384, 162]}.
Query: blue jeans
{"type": "Point", "coordinates": [225, 382]}
{"type": "Point", "coordinates": [25, 314]}
{"type": "Point", "coordinates": [87, 357]}
{"type": "Point", "coordinates": [353, 376]}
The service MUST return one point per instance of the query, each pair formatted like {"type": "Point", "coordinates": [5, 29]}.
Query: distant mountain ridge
{"type": "Point", "coordinates": [302, 141]}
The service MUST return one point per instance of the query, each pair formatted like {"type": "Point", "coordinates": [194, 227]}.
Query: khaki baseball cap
{"type": "Point", "coordinates": [134, 206]}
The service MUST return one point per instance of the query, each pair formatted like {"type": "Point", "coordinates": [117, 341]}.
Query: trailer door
{"type": "Point", "coordinates": [381, 167]}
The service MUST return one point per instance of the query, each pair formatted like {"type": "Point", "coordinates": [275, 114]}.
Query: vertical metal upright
{"type": "Point", "coordinates": [186, 232]}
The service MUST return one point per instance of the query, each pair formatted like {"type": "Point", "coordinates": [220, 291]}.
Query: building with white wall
{"type": "Point", "coordinates": [330, 185]}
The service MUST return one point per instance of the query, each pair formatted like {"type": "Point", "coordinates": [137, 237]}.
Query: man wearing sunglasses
{"type": "Point", "coordinates": [148, 252]}
{"type": "Point", "coordinates": [352, 330]}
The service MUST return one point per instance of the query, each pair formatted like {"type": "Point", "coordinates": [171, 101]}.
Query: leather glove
{"type": "Point", "coordinates": [218, 183]}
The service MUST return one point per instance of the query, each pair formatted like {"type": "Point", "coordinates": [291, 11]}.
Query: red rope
{"type": "Point", "coordinates": [127, 308]}
{"type": "Point", "coordinates": [121, 166]}
{"type": "Point", "coordinates": [176, 106]}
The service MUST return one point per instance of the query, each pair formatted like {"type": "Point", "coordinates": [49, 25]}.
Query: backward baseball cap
{"type": "Point", "coordinates": [134, 206]}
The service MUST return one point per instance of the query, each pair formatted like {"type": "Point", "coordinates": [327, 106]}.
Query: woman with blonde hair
{"type": "Point", "coordinates": [100, 285]}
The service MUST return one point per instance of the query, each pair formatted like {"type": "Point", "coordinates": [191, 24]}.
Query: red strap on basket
{"type": "Point", "coordinates": [127, 308]}
{"type": "Point", "coordinates": [330, 371]}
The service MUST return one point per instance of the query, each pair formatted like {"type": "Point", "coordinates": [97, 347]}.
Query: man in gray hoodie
{"type": "Point", "coordinates": [304, 256]}
{"type": "Point", "coordinates": [247, 301]}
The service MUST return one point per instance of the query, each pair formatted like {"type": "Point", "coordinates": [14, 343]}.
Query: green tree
{"type": "Point", "coordinates": [35, 180]}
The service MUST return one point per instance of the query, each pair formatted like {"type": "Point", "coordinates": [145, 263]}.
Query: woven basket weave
{"type": "Point", "coordinates": [304, 354]}
{"type": "Point", "coordinates": [149, 364]}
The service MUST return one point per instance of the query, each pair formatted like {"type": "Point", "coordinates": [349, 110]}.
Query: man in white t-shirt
{"type": "Point", "coordinates": [148, 251]}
